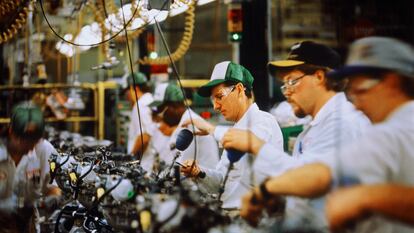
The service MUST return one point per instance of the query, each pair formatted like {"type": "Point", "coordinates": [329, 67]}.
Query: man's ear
{"type": "Point", "coordinates": [320, 77]}
{"type": "Point", "coordinates": [240, 88]}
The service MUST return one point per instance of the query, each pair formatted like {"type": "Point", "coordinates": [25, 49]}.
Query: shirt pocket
{"type": "Point", "coordinates": [33, 180]}
{"type": "Point", "coordinates": [6, 179]}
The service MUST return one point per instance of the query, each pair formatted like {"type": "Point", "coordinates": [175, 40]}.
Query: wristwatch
{"type": "Point", "coordinates": [263, 190]}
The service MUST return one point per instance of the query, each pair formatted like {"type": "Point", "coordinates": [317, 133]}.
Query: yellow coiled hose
{"type": "Point", "coordinates": [8, 33]}
{"type": "Point", "coordinates": [184, 44]}
{"type": "Point", "coordinates": [8, 6]}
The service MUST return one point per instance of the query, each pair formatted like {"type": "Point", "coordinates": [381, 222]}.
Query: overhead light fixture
{"type": "Point", "coordinates": [137, 23]}
{"type": "Point", "coordinates": [151, 15]}
{"type": "Point", "coordinates": [178, 10]}
{"type": "Point", "coordinates": [65, 48]}
{"type": "Point", "coordinates": [89, 34]}
{"type": "Point", "coordinates": [204, 2]}
{"type": "Point", "coordinates": [68, 36]}
{"type": "Point", "coordinates": [112, 23]}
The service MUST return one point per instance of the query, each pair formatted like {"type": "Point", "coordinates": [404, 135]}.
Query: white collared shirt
{"type": "Point", "coordinates": [241, 179]}
{"type": "Point", "coordinates": [384, 154]}
{"type": "Point", "coordinates": [336, 123]}
{"type": "Point", "coordinates": [27, 181]}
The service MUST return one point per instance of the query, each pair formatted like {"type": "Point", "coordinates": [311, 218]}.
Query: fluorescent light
{"type": "Point", "coordinates": [150, 15]}
{"type": "Point", "coordinates": [67, 49]}
{"type": "Point", "coordinates": [68, 36]}
{"type": "Point", "coordinates": [161, 16]}
{"type": "Point", "coordinates": [127, 11]}
{"type": "Point", "coordinates": [89, 34]}
{"type": "Point", "coordinates": [58, 45]}
{"type": "Point", "coordinates": [178, 10]}
{"type": "Point", "coordinates": [136, 23]}
{"type": "Point", "coordinates": [204, 2]}
{"type": "Point", "coordinates": [112, 23]}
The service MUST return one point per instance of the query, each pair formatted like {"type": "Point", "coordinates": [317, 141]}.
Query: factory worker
{"type": "Point", "coordinates": [230, 89]}
{"type": "Point", "coordinates": [138, 142]}
{"type": "Point", "coordinates": [24, 170]}
{"type": "Point", "coordinates": [171, 112]}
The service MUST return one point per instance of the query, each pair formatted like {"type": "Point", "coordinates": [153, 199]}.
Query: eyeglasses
{"type": "Point", "coordinates": [157, 116]}
{"type": "Point", "coordinates": [365, 86]}
{"type": "Point", "coordinates": [220, 97]}
{"type": "Point", "coordinates": [291, 83]}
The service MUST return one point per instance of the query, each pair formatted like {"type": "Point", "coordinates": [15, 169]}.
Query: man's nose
{"type": "Point", "coordinates": [216, 106]}
{"type": "Point", "coordinates": [288, 92]}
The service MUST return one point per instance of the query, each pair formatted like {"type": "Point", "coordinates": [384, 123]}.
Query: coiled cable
{"type": "Point", "coordinates": [184, 43]}
{"type": "Point", "coordinates": [13, 28]}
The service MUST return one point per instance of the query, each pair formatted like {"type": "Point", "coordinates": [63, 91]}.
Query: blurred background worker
{"type": "Point", "coordinates": [381, 76]}
{"type": "Point", "coordinates": [141, 124]}
{"type": "Point", "coordinates": [334, 122]}
{"type": "Point", "coordinates": [230, 89]}
{"type": "Point", "coordinates": [24, 170]}
{"type": "Point", "coordinates": [171, 111]}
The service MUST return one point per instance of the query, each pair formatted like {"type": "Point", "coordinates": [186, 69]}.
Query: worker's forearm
{"type": "Point", "coordinates": [141, 143]}
{"type": "Point", "coordinates": [390, 200]}
{"type": "Point", "coordinates": [310, 181]}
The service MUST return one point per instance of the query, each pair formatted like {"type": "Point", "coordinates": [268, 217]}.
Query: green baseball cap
{"type": "Point", "coordinates": [138, 77]}
{"type": "Point", "coordinates": [227, 71]}
{"type": "Point", "coordinates": [167, 92]}
{"type": "Point", "coordinates": [27, 121]}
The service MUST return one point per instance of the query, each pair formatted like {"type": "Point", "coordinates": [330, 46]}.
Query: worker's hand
{"type": "Point", "coordinates": [251, 209]}
{"type": "Point", "coordinates": [202, 127]}
{"type": "Point", "coordinates": [52, 202]}
{"type": "Point", "coordinates": [344, 207]}
{"type": "Point", "coordinates": [190, 168]}
{"type": "Point", "coordinates": [166, 129]}
{"type": "Point", "coordinates": [242, 140]}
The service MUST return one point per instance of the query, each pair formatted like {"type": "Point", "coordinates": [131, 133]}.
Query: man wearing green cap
{"type": "Point", "coordinates": [230, 89]}
{"type": "Point", "coordinates": [170, 109]}
{"type": "Point", "coordinates": [24, 170]}
{"type": "Point", "coordinates": [137, 141]}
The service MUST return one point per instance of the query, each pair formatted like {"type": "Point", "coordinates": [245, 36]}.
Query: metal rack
{"type": "Point", "coordinates": [98, 91]}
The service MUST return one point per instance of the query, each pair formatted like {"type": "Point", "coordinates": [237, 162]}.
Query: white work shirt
{"type": "Point", "coordinates": [336, 123]}
{"type": "Point", "coordinates": [26, 182]}
{"type": "Point", "coordinates": [384, 154]}
{"type": "Point", "coordinates": [160, 144]}
{"type": "Point", "coordinates": [240, 181]}
{"type": "Point", "coordinates": [147, 127]}
{"type": "Point", "coordinates": [207, 148]}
